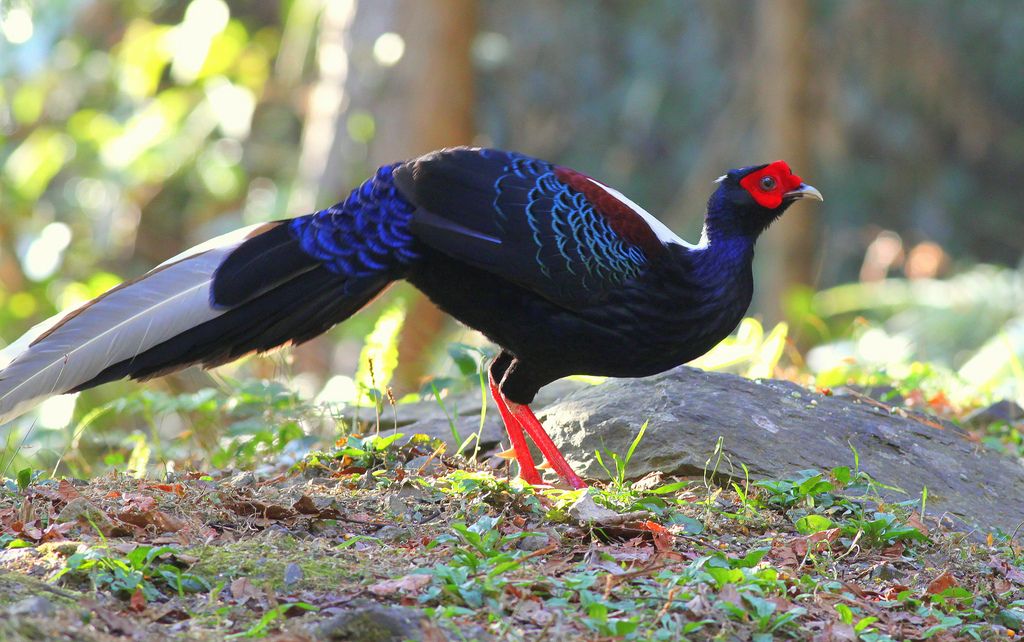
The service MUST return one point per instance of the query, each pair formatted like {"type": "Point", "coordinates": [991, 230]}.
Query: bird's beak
{"type": "Point", "coordinates": [804, 191]}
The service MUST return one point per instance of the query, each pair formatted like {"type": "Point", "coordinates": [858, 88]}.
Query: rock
{"type": "Point", "coordinates": [1004, 411]}
{"type": "Point", "coordinates": [588, 512]}
{"type": "Point", "coordinates": [533, 542]}
{"type": "Point", "coordinates": [369, 622]}
{"type": "Point", "coordinates": [35, 606]}
{"type": "Point", "coordinates": [778, 428]}
{"type": "Point", "coordinates": [292, 574]}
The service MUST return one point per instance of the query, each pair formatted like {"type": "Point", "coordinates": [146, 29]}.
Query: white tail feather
{"type": "Point", "coordinates": [119, 325]}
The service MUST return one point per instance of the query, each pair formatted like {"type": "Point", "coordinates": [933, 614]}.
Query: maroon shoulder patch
{"type": "Point", "coordinates": [620, 216]}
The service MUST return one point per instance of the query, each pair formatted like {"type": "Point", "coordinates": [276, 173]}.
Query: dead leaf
{"type": "Point", "coordinates": [729, 594]}
{"type": "Point", "coordinates": [663, 539]}
{"type": "Point", "coordinates": [243, 589]}
{"type": "Point", "coordinates": [941, 583]}
{"type": "Point", "coordinates": [407, 584]}
{"type": "Point", "coordinates": [650, 481]}
{"type": "Point", "coordinates": [163, 522]}
{"type": "Point", "coordinates": [67, 491]}
{"type": "Point", "coordinates": [177, 489]}
{"type": "Point", "coordinates": [915, 521]}
{"type": "Point", "coordinates": [139, 502]}
{"type": "Point", "coordinates": [1007, 570]}
{"type": "Point", "coordinates": [138, 601]}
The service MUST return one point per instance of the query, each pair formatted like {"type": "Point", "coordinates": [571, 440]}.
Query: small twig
{"type": "Point", "coordinates": [437, 451]}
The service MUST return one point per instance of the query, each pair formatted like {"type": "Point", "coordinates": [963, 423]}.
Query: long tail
{"type": "Point", "coordinates": [250, 290]}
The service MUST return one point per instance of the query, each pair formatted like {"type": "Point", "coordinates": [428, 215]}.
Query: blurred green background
{"type": "Point", "coordinates": [132, 129]}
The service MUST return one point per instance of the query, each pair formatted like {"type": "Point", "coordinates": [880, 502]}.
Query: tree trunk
{"type": "Point", "coordinates": [437, 82]}
{"type": "Point", "coordinates": [786, 256]}
{"type": "Point", "coordinates": [424, 102]}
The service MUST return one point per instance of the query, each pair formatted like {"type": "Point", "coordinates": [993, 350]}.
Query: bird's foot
{"type": "Point", "coordinates": [527, 470]}
{"type": "Point", "coordinates": [528, 421]}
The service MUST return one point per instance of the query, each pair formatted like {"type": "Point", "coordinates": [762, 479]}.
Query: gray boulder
{"type": "Point", "coordinates": [777, 428]}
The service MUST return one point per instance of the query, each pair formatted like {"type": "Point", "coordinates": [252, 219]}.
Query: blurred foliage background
{"type": "Point", "coordinates": [132, 129]}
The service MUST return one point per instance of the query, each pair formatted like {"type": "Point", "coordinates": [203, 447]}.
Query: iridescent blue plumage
{"type": "Point", "coordinates": [568, 233]}
{"type": "Point", "coordinates": [364, 235]}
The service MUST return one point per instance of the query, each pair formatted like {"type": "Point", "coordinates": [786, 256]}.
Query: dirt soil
{"type": "Point", "coordinates": [417, 546]}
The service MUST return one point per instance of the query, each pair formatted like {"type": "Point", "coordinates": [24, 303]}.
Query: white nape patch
{"type": "Point", "coordinates": [721, 178]}
{"type": "Point", "coordinates": [664, 234]}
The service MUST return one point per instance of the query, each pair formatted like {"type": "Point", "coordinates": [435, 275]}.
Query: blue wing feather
{"type": "Point", "coordinates": [550, 238]}
{"type": "Point", "coordinates": [367, 234]}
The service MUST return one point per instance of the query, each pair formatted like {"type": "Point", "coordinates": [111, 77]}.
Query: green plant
{"type": "Point", "coordinates": [597, 618]}
{"type": "Point", "coordinates": [370, 451]}
{"type": "Point", "coordinates": [266, 622]}
{"type": "Point", "coordinates": [809, 488]}
{"type": "Point", "coordinates": [848, 617]}
{"type": "Point", "coordinates": [479, 563]}
{"type": "Point", "coordinates": [621, 464]}
{"type": "Point", "coordinates": [882, 529]}
{"type": "Point", "coordinates": [139, 570]}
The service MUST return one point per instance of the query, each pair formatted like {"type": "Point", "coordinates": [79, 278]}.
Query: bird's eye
{"type": "Point", "coordinates": [767, 183]}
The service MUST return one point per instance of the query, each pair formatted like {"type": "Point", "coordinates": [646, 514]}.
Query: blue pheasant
{"type": "Point", "coordinates": [564, 273]}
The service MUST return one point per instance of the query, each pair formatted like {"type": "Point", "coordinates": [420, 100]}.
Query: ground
{"type": "Point", "coordinates": [460, 551]}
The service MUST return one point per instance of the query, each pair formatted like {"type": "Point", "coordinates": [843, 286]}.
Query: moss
{"type": "Point", "coordinates": [269, 554]}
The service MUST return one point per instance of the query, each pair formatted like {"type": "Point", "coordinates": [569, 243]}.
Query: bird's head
{"type": "Point", "coordinates": [748, 199]}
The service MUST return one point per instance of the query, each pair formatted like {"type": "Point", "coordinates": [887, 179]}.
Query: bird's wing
{"type": "Point", "coordinates": [547, 228]}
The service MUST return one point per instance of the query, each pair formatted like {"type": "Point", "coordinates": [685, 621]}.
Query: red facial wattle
{"type": "Point", "coordinates": [769, 184]}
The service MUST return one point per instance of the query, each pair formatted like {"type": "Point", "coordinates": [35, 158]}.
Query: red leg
{"type": "Point", "coordinates": [515, 434]}
{"type": "Point", "coordinates": [529, 421]}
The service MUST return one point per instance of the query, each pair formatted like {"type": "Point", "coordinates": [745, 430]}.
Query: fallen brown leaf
{"type": "Point", "coordinates": [941, 583]}
{"type": "Point", "coordinates": [406, 584]}
{"type": "Point", "coordinates": [139, 502]}
{"type": "Point", "coordinates": [67, 491]}
{"type": "Point", "coordinates": [138, 601]}
{"type": "Point", "coordinates": [163, 522]}
{"type": "Point", "coordinates": [242, 589]}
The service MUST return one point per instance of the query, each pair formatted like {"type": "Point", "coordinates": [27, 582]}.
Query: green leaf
{"type": "Point", "coordinates": [750, 560]}
{"type": "Point", "coordinates": [810, 524]}
{"type": "Point", "coordinates": [24, 478]}
{"type": "Point", "coordinates": [865, 623]}
{"type": "Point", "coordinates": [845, 614]}
{"type": "Point", "coordinates": [723, 576]}
{"type": "Point", "coordinates": [842, 474]}
{"type": "Point", "coordinates": [669, 488]}
{"type": "Point", "coordinates": [465, 358]}
{"type": "Point", "coordinates": [636, 442]}
{"type": "Point", "coordinates": [690, 525]}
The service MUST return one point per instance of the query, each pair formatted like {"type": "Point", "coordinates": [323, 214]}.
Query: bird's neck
{"type": "Point", "coordinates": [722, 258]}
{"type": "Point", "coordinates": [726, 249]}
